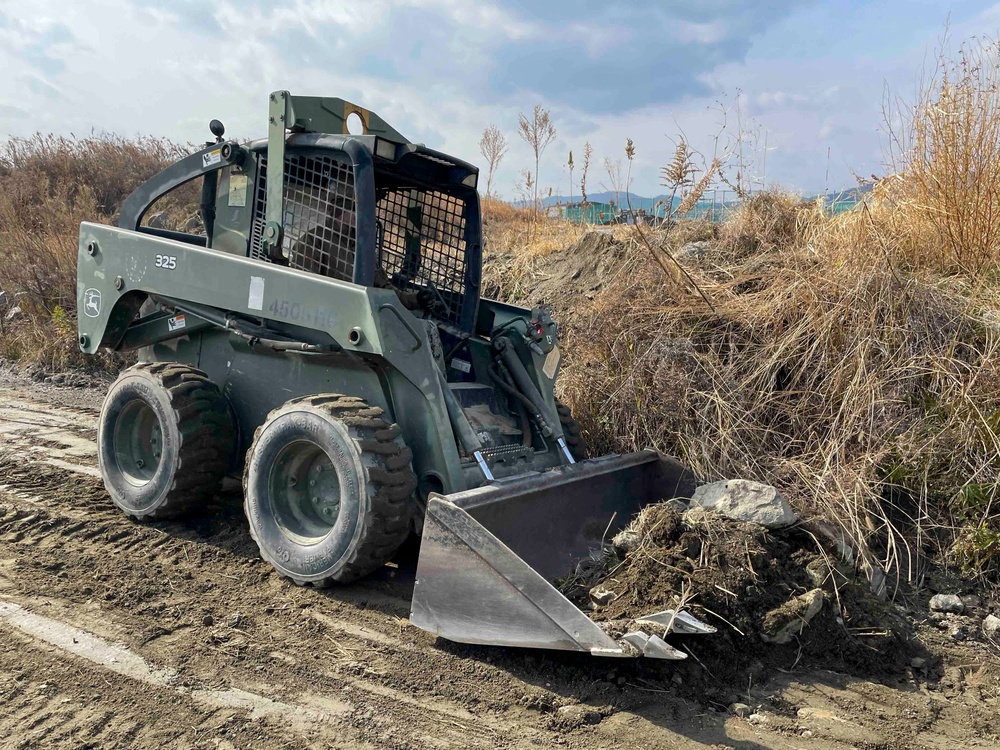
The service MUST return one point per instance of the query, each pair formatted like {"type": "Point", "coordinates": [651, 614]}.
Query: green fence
{"type": "Point", "coordinates": [716, 208]}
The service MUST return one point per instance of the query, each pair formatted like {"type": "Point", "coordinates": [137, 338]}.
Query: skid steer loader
{"type": "Point", "coordinates": [321, 328]}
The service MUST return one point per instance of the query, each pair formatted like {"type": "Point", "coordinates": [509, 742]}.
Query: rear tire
{"type": "Point", "coordinates": [328, 488]}
{"type": "Point", "coordinates": [165, 438]}
{"type": "Point", "coordinates": [572, 432]}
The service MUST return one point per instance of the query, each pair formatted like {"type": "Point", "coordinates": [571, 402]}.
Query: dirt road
{"type": "Point", "coordinates": [117, 634]}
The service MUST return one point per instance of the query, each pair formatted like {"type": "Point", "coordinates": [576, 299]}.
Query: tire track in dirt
{"type": "Point", "coordinates": [155, 577]}
{"type": "Point", "coordinates": [195, 598]}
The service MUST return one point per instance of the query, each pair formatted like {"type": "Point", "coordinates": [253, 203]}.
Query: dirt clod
{"type": "Point", "coordinates": [740, 709]}
{"type": "Point", "coordinates": [783, 623]}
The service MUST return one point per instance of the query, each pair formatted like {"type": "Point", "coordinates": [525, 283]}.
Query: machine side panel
{"type": "Point", "coordinates": [257, 380]}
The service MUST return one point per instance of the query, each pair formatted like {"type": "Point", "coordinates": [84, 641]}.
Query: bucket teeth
{"type": "Point", "coordinates": [637, 638]}
{"type": "Point", "coordinates": [675, 622]}
{"type": "Point", "coordinates": [657, 648]}
{"type": "Point", "coordinates": [653, 647]}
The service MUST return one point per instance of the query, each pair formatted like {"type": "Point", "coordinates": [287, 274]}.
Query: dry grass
{"type": "Point", "coordinates": [853, 361]}
{"type": "Point", "coordinates": [50, 185]}
{"type": "Point", "coordinates": [514, 241]}
{"type": "Point", "coordinates": [868, 396]}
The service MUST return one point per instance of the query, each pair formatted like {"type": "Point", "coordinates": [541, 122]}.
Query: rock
{"type": "Point", "coordinates": [602, 596]}
{"type": "Point", "coordinates": [208, 620]}
{"type": "Point", "coordinates": [576, 715]}
{"type": "Point", "coordinates": [958, 630]}
{"type": "Point", "coordinates": [757, 718]}
{"type": "Point", "coordinates": [694, 250]}
{"type": "Point", "coordinates": [991, 626]}
{"type": "Point", "coordinates": [626, 541]}
{"type": "Point", "coordinates": [193, 225]}
{"type": "Point", "coordinates": [740, 709]}
{"type": "Point", "coordinates": [918, 662]}
{"type": "Point", "coordinates": [971, 602]}
{"type": "Point", "coordinates": [819, 572]}
{"type": "Point", "coordinates": [157, 220]}
{"type": "Point", "coordinates": [782, 624]}
{"type": "Point", "coordinates": [947, 603]}
{"type": "Point", "coordinates": [743, 500]}
{"type": "Point", "coordinates": [12, 313]}
{"type": "Point", "coordinates": [806, 734]}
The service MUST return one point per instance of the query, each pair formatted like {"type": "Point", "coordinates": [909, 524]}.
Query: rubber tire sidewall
{"type": "Point", "coordinates": [292, 558]}
{"type": "Point", "coordinates": [138, 501]}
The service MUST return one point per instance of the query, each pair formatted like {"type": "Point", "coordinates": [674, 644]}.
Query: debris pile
{"type": "Point", "coordinates": [736, 558]}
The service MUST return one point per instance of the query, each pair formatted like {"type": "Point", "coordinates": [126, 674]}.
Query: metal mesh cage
{"type": "Point", "coordinates": [422, 238]}
{"type": "Point", "coordinates": [319, 221]}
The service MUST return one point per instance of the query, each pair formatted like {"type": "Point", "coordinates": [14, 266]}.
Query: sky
{"type": "Point", "coordinates": [804, 81]}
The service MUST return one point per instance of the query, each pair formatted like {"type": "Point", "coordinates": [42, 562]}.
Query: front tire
{"type": "Point", "coordinates": [165, 438]}
{"type": "Point", "coordinates": [328, 488]}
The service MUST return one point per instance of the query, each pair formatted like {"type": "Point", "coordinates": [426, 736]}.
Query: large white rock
{"type": "Point", "coordinates": [991, 626]}
{"type": "Point", "coordinates": [947, 603]}
{"type": "Point", "coordinates": [743, 500]}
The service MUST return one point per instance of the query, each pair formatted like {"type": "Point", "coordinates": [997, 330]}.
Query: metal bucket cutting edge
{"type": "Point", "coordinates": [488, 555]}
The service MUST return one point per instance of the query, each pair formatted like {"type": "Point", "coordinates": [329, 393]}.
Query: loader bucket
{"type": "Point", "coordinates": [488, 555]}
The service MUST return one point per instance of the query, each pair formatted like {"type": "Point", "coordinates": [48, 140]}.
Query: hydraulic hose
{"type": "Point", "coordinates": [527, 388]}
{"type": "Point", "coordinates": [521, 402]}
{"type": "Point", "coordinates": [256, 335]}
{"type": "Point", "coordinates": [467, 437]}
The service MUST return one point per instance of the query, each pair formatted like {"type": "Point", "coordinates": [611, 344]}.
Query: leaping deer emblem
{"type": "Point", "coordinates": [92, 302]}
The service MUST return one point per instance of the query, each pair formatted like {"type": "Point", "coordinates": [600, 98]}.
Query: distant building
{"type": "Point", "coordinates": [589, 213]}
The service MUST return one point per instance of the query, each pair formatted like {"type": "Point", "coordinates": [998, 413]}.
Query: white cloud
{"type": "Point", "coordinates": [703, 33]}
{"type": "Point", "coordinates": [169, 67]}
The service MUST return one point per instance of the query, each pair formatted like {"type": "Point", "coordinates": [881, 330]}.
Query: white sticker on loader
{"type": "Point", "coordinates": [461, 365]}
{"type": "Point", "coordinates": [256, 299]}
{"type": "Point", "coordinates": [176, 323]}
{"type": "Point", "coordinates": [551, 363]}
{"type": "Point", "coordinates": [212, 157]}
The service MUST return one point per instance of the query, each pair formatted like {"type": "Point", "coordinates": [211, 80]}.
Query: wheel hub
{"type": "Point", "coordinates": [304, 491]}
{"type": "Point", "coordinates": [138, 442]}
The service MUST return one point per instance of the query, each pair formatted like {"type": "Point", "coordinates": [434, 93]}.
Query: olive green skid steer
{"type": "Point", "coordinates": [306, 308]}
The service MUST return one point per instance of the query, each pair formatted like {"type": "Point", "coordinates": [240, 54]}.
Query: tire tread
{"type": "Point", "coordinates": [206, 430]}
{"type": "Point", "coordinates": [387, 522]}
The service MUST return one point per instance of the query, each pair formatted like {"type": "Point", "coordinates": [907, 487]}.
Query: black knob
{"type": "Point", "coordinates": [217, 128]}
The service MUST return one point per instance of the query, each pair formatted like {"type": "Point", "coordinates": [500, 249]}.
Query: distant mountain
{"type": "Point", "coordinates": [847, 195]}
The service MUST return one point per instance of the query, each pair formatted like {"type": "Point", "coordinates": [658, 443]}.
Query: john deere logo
{"type": "Point", "coordinates": [92, 303]}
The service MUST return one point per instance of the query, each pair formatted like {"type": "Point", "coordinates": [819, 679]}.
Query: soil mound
{"type": "Point", "coordinates": [580, 270]}
{"type": "Point", "coordinates": [778, 598]}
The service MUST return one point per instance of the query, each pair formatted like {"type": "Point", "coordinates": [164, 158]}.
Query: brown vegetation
{"type": "Point", "coordinates": [50, 185]}
{"type": "Point", "coordinates": [853, 361]}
